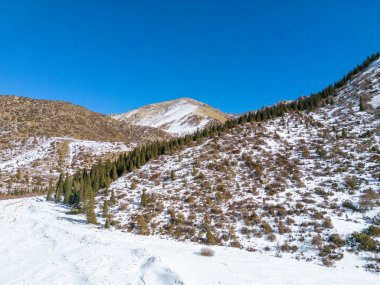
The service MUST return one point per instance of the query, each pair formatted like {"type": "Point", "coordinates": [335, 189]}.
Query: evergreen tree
{"type": "Point", "coordinates": [107, 224]}
{"type": "Point", "coordinates": [105, 209]}
{"type": "Point", "coordinates": [114, 173]}
{"type": "Point", "coordinates": [59, 189]}
{"type": "Point", "coordinates": [50, 190]}
{"type": "Point", "coordinates": [113, 198]}
{"type": "Point", "coordinates": [90, 210]}
{"type": "Point", "coordinates": [67, 190]}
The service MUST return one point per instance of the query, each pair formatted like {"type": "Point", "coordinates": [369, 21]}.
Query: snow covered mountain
{"type": "Point", "coordinates": [305, 182]}
{"type": "Point", "coordinates": [177, 117]}
{"type": "Point", "coordinates": [282, 190]}
{"type": "Point", "coordinates": [41, 138]}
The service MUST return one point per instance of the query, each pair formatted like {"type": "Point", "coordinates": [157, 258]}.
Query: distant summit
{"type": "Point", "coordinates": [177, 117]}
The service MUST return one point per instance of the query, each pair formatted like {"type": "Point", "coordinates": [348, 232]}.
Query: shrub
{"type": "Point", "coordinates": [142, 226]}
{"type": "Point", "coordinates": [271, 237]}
{"type": "Point", "coordinates": [373, 231]}
{"type": "Point", "coordinates": [337, 240]}
{"type": "Point", "coordinates": [317, 241]}
{"type": "Point", "coordinates": [326, 250]}
{"type": "Point", "coordinates": [327, 262]}
{"type": "Point", "coordinates": [266, 228]}
{"type": "Point", "coordinates": [349, 205]}
{"type": "Point", "coordinates": [282, 229]}
{"type": "Point", "coordinates": [368, 199]}
{"type": "Point", "coordinates": [207, 252]}
{"type": "Point", "coordinates": [73, 211]}
{"type": "Point", "coordinates": [133, 185]}
{"type": "Point", "coordinates": [362, 241]}
{"type": "Point", "coordinates": [211, 240]}
{"type": "Point", "coordinates": [327, 223]}
{"type": "Point", "coordinates": [350, 183]}
{"type": "Point", "coordinates": [288, 248]}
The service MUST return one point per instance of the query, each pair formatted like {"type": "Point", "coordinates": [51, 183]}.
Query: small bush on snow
{"type": "Point", "coordinates": [207, 252]}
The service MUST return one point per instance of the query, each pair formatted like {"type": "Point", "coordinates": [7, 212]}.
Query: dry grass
{"type": "Point", "coordinates": [25, 117]}
{"type": "Point", "coordinates": [207, 252]}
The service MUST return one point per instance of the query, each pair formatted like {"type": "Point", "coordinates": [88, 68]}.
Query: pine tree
{"type": "Point", "coordinates": [90, 210]}
{"type": "Point", "coordinates": [114, 173]}
{"type": "Point", "coordinates": [113, 198]}
{"type": "Point", "coordinates": [105, 209]}
{"type": "Point", "coordinates": [67, 190]}
{"type": "Point", "coordinates": [59, 189]}
{"type": "Point", "coordinates": [107, 224]}
{"type": "Point", "coordinates": [50, 190]}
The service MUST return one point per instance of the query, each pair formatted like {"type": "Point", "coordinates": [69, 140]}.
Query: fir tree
{"type": "Point", "coordinates": [90, 210]}
{"type": "Point", "coordinates": [113, 198]}
{"type": "Point", "coordinates": [114, 173]}
{"type": "Point", "coordinates": [105, 208]}
{"type": "Point", "coordinates": [67, 190]}
{"type": "Point", "coordinates": [107, 224]}
{"type": "Point", "coordinates": [59, 189]}
{"type": "Point", "coordinates": [50, 190]}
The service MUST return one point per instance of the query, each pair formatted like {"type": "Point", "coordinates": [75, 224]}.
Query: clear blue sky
{"type": "Point", "coordinates": [112, 56]}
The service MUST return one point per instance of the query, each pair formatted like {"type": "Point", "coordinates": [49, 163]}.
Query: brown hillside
{"type": "Point", "coordinates": [22, 117]}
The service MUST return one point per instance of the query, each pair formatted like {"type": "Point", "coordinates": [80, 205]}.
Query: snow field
{"type": "Point", "coordinates": [40, 244]}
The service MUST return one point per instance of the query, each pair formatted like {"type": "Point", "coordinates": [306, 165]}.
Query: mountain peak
{"type": "Point", "coordinates": [177, 117]}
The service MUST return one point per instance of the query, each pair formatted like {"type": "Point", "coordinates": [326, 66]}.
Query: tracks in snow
{"type": "Point", "coordinates": [38, 239]}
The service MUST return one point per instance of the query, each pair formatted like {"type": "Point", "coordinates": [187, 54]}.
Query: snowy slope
{"type": "Point", "coordinates": [366, 85]}
{"type": "Point", "coordinates": [177, 117]}
{"type": "Point", "coordinates": [43, 245]}
{"type": "Point", "coordinates": [282, 183]}
{"type": "Point", "coordinates": [44, 158]}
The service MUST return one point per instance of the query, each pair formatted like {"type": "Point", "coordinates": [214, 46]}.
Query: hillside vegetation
{"type": "Point", "coordinates": [22, 117]}
{"type": "Point", "coordinates": [300, 177]}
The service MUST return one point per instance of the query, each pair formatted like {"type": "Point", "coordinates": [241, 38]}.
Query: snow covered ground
{"type": "Point", "coordinates": [40, 244]}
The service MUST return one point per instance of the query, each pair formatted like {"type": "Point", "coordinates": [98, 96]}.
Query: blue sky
{"type": "Point", "coordinates": [113, 56]}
